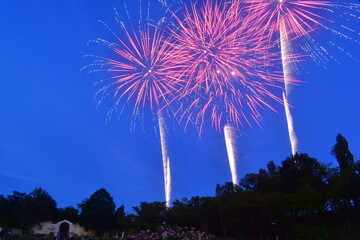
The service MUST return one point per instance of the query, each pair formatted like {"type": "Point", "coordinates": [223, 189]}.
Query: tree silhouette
{"type": "Point", "coordinates": [150, 215]}
{"type": "Point", "coordinates": [21, 210]}
{"type": "Point", "coordinates": [98, 211]}
{"type": "Point", "coordinates": [344, 157]}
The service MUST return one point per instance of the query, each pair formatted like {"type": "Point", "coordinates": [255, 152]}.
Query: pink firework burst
{"type": "Point", "coordinates": [142, 70]}
{"type": "Point", "coordinates": [225, 63]}
{"type": "Point", "coordinates": [299, 17]}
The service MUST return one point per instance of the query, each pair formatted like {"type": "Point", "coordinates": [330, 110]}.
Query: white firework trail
{"type": "Point", "coordinates": [285, 48]}
{"type": "Point", "coordinates": [317, 52]}
{"type": "Point", "coordinates": [229, 140]}
{"type": "Point", "coordinates": [166, 160]}
{"type": "Point", "coordinates": [290, 124]}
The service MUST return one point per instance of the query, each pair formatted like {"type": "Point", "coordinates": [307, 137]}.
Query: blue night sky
{"type": "Point", "coordinates": [52, 135]}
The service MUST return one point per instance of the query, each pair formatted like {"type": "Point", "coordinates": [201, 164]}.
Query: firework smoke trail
{"type": "Point", "coordinates": [288, 22]}
{"type": "Point", "coordinates": [229, 140]}
{"type": "Point", "coordinates": [284, 46]}
{"type": "Point", "coordinates": [166, 160]}
{"type": "Point", "coordinates": [143, 77]}
{"type": "Point", "coordinates": [290, 123]}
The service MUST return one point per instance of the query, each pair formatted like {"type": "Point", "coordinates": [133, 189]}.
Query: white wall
{"type": "Point", "coordinates": [49, 227]}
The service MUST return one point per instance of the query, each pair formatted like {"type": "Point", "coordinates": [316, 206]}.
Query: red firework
{"type": "Point", "coordinates": [142, 70]}
{"type": "Point", "coordinates": [223, 60]}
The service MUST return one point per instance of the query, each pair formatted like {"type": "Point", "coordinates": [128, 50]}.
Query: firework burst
{"type": "Point", "coordinates": [289, 20]}
{"type": "Point", "coordinates": [141, 70]}
{"type": "Point", "coordinates": [224, 62]}
{"type": "Point", "coordinates": [142, 76]}
{"type": "Point", "coordinates": [299, 20]}
{"type": "Point", "coordinates": [298, 16]}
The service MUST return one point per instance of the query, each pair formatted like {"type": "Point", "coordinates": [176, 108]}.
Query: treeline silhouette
{"type": "Point", "coordinates": [301, 198]}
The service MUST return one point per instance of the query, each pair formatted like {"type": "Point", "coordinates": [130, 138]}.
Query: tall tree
{"type": "Point", "coordinates": [3, 209]}
{"type": "Point", "coordinates": [224, 194]}
{"type": "Point", "coordinates": [256, 181]}
{"type": "Point", "coordinates": [121, 220]}
{"type": "Point", "coordinates": [344, 184]}
{"type": "Point", "coordinates": [21, 210]}
{"type": "Point", "coordinates": [271, 168]}
{"type": "Point", "coordinates": [343, 155]}
{"type": "Point", "coordinates": [17, 211]}
{"type": "Point", "coordinates": [300, 170]}
{"type": "Point", "coordinates": [42, 205]}
{"type": "Point", "coordinates": [98, 212]}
